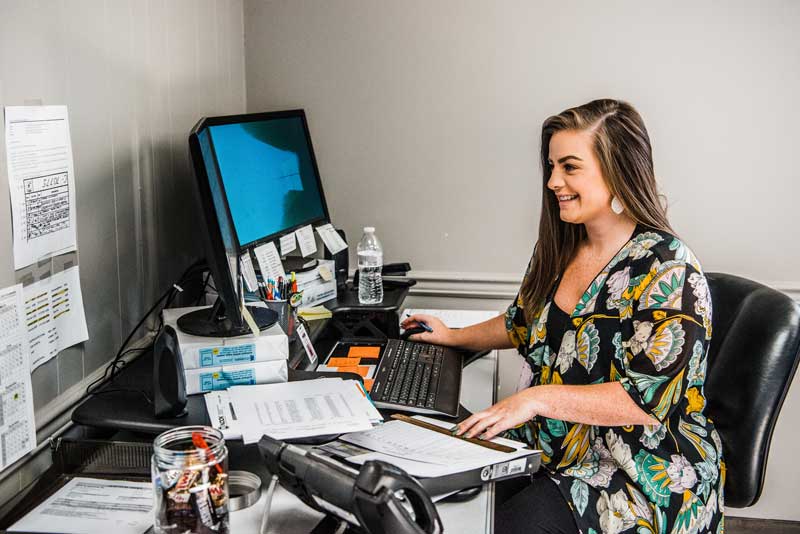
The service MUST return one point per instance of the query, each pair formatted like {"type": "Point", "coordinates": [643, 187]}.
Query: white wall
{"type": "Point", "coordinates": [135, 75]}
{"type": "Point", "coordinates": [426, 116]}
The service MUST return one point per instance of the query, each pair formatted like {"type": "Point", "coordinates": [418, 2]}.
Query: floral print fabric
{"type": "Point", "coordinates": [645, 322]}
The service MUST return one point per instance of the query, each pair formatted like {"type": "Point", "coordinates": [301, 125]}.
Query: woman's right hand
{"type": "Point", "coordinates": [440, 334]}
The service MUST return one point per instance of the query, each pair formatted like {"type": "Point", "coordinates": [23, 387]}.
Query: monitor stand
{"type": "Point", "coordinates": [213, 322]}
{"type": "Point", "coordinates": [298, 264]}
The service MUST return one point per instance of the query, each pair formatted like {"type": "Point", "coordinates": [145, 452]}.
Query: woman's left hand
{"type": "Point", "coordinates": [508, 413]}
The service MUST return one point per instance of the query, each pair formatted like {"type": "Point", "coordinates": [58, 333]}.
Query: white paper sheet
{"type": "Point", "coordinates": [269, 261]}
{"type": "Point", "coordinates": [41, 179]}
{"type": "Point", "coordinates": [54, 316]}
{"type": "Point", "coordinates": [455, 318]}
{"type": "Point", "coordinates": [222, 415]}
{"type": "Point", "coordinates": [417, 444]}
{"type": "Point", "coordinates": [299, 409]}
{"type": "Point", "coordinates": [93, 506]}
{"type": "Point", "coordinates": [305, 237]}
{"type": "Point", "coordinates": [248, 273]}
{"type": "Point", "coordinates": [333, 241]}
{"type": "Point", "coordinates": [17, 427]}
{"type": "Point", "coordinates": [288, 243]}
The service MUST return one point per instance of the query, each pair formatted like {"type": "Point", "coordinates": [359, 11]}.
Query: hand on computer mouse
{"type": "Point", "coordinates": [436, 331]}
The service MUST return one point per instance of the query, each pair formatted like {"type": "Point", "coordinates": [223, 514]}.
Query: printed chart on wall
{"type": "Point", "coordinates": [17, 427]}
{"type": "Point", "coordinates": [54, 318]}
{"type": "Point", "coordinates": [41, 179]}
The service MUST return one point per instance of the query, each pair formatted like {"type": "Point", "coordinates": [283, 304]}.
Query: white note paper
{"type": "Point", "coordinates": [93, 506]}
{"type": "Point", "coordinates": [17, 428]}
{"type": "Point", "coordinates": [299, 409]}
{"type": "Point", "coordinates": [333, 241]}
{"type": "Point", "coordinates": [269, 261]}
{"type": "Point", "coordinates": [221, 413]}
{"type": "Point", "coordinates": [305, 236]}
{"type": "Point", "coordinates": [41, 179]}
{"type": "Point", "coordinates": [248, 272]}
{"type": "Point", "coordinates": [288, 243]}
{"type": "Point", "coordinates": [54, 316]}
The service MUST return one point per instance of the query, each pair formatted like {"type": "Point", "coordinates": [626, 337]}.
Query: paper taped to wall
{"type": "Point", "coordinates": [54, 317]}
{"type": "Point", "coordinates": [17, 427]}
{"type": "Point", "coordinates": [41, 179]}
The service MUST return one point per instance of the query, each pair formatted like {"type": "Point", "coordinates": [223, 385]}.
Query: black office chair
{"type": "Point", "coordinates": [755, 348]}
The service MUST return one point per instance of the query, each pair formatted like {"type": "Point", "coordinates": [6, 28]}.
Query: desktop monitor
{"type": "Point", "coordinates": [258, 180]}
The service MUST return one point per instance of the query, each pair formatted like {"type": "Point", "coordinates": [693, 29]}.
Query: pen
{"type": "Point", "coordinates": [423, 325]}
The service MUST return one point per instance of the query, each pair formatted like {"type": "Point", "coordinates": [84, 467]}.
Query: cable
{"type": "Point", "coordinates": [117, 363]}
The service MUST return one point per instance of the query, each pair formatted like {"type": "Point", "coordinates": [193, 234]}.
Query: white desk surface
{"type": "Point", "coordinates": [290, 515]}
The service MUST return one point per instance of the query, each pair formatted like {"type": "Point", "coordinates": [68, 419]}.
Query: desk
{"type": "Point", "coordinates": [290, 515]}
{"type": "Point", "coordinates": [478, 391]}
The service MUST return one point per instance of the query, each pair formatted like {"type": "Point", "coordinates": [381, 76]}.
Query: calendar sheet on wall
{"type": "Point", "coordinates": [17, 425]}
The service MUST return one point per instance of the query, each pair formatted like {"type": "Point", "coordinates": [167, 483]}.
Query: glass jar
{"type": "Point", "coordinates": [190, 479]}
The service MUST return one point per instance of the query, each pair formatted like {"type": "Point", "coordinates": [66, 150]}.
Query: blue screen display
{"type": "Point", "coordinates": [268, 175]}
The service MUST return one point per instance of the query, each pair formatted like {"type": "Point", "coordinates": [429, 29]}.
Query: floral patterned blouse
{"type": "Point", "coordinates": [645, 322]}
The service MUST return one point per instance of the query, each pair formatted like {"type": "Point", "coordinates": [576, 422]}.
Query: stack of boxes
{"type": "Point", "coordinates": [212, 363]}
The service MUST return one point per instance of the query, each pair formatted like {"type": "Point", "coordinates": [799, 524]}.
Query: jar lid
{"type": "Point", "coordinates": [244, 489]}
{"type": "Point", "coordinates": [369, 229]}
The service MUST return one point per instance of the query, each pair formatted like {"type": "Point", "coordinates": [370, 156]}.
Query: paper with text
{"type": "Point", "coordinates": [455, 318]}
{"type": "Point", "coordinates": [414, 443]}
{"type": "Point", "coordinates": [269, 261]}
{"type": "Point", "coordinates": [305, 237]}
{"type": "Point", "coordinates": [288, 243]}
{"type": "Point", "coordinates": [54, 316]}
{"type": "Point", "coordinates": [17, 427]}
{"type": "Point", "coordinates": [333, 241]}
{"type": "Point", "coordinates": [299, 409]}
{"type": "Point", "coordinates": [248, 272]}
{"type": "Point", "coordinates": [41, 179]}
{"type": "Point", "coordinates": [93, 506]}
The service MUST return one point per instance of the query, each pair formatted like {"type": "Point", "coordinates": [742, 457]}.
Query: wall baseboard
{"type": "Point", "coordinates": [504, 286]}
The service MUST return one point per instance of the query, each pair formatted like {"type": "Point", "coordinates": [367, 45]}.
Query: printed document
{"type": "Point", "coordinates": [17, 427]}
{"type": "Point", "coordinates": [93, 506]}
{"type": "Point", "coordinates": [417, 445]}
{"type": "Point", "coordinates": [41, 179]}
{"type": "Point", "coordinates": [248, 273]}
{"type": "Point", "coordinates": [305, 237]}
{"type": "Point", "coordinates": [288, 243]}
{"type": "Point", "coordinates": [300, 409]}
{"type": "Point", "coordinates": [54, 318]}
{"type": "Point", "coordinates": [331, 238]}
{"type": "Point", "coordinates": [269, 261]}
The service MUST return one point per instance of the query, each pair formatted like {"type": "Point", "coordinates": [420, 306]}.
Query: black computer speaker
{"type": "Point", "coordinates": [169, 382]}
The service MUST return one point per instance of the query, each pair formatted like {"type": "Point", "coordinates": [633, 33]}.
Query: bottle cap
{"type": "Point", "coordinates": [369, 229]}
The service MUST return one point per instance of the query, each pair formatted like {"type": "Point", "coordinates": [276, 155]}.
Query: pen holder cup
{"type": "Point", "coordinates": [189, 471]}
{"type": "Point", "coordinates": [285, 315]}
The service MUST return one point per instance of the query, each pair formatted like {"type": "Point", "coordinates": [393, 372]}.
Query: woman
{"type": "Point", "coordinates": [614, 320]}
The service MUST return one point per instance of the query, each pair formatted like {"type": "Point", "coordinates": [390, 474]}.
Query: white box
{"type": "Point", "coordinates": [315, 289]}
{"type": "Point", "coordinates": [223, 377]}
{"type": "Point", "coordinates": [199, 352]}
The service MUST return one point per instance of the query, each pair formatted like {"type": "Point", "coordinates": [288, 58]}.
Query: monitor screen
{"type": "Point", "coordinates": [269, 174]}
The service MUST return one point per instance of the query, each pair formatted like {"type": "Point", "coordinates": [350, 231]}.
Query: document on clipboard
{"type": "Point", "coordinates": [445, 462]}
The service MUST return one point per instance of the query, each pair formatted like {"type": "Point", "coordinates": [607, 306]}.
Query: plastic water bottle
{"type": "Point", "coordinates": [370, 265]}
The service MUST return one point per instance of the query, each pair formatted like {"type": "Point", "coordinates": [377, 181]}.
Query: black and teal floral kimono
{"type": "Point", "coordinates": [645, 322]}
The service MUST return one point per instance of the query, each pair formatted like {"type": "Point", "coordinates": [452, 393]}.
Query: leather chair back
{"type": "Point", "coordinates": [752, 359]}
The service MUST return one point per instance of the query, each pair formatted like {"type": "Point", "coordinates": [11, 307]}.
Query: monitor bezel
{"type": "Point", "coordinates": [265, 116]}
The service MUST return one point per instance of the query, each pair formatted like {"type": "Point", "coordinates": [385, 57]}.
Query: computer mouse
{"type": "Point", "coordinates": [411, 331]}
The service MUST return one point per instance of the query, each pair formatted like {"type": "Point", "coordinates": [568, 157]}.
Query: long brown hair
{"type": "Point", "coordinates": [622, 147]}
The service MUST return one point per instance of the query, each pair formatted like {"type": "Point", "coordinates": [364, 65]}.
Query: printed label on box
{"type": "Point", "coordinates": [224, 380]}
{"type": "Point", "coordinates": [212, 356]}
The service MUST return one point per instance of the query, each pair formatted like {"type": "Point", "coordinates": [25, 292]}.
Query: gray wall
{"type": "Point", "coordinates": [426, 115]}
{"type": "Point", "coordinates": [136, 76]}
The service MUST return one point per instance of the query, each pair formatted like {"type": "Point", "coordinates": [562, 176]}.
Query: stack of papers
{"type": "Point", "coordinates": [93, 506]}
{"type": "Point", "coordinates": [291, 410]}
{"type": "Point", "coordinates": [425, 453]}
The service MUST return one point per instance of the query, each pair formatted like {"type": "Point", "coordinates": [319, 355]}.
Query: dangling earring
{"type": "Point", "coordinates": [616, 206]}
